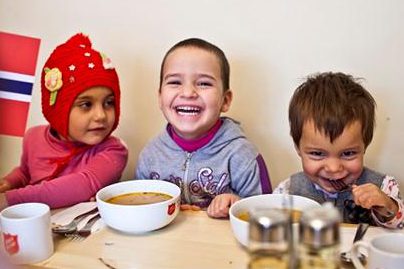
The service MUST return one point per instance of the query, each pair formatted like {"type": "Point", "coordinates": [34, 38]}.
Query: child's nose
{"type": "Point", "coordinates": [333, 165]}
{"type": "Point", "coordinates": [99, 113]}
{"type": "Point", "coordinates": [189, 90]}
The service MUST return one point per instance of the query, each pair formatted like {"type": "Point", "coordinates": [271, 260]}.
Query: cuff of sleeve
{"type": "Point", "coordinates": [11, 198]}
{"type": "Point", "coordinates": [397, 221]}
{"type": "Point", "coordinates": [15, 178]}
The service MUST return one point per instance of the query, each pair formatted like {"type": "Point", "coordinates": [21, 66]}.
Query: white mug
{"type": "Point", "coordinates": [26, 235]}
{"type": "Point", "coordinates": [385, 251]}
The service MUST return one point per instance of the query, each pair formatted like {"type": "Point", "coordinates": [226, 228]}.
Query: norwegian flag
{"type": "Point", "coordinates": [18, 57]}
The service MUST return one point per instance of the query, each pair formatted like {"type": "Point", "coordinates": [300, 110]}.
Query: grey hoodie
{"type": "Point", "coordinates": [229, 163]}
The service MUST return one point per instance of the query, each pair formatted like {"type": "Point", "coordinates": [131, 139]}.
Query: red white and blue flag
{"type": "Point", "coordinates": [18, 58]}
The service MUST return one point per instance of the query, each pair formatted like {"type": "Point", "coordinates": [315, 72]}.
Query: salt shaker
{"type": "Point", "coordinates": [319, 238]}
{"type": "Point", "coordinates": [269, 238]}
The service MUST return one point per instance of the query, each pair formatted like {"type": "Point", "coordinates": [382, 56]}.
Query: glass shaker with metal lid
{"type": "Point", "coordinates": [319, 238]}
{"type": "Point", "coordinates": [268, 238]}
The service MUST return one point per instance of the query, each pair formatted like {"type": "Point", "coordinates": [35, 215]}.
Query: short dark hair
{"type": "Point", "coordinates": [204, 45]}
{"type": "Point", "coordinates": [332, 101]}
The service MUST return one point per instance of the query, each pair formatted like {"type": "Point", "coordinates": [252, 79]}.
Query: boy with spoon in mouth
{"type": "Point", "coordinates": [331, 120]}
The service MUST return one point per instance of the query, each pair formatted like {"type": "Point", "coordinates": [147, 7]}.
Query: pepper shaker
{"type": "Point", "coordinates": [319, 238]}
{"type": "Point", "coordinates": [269, 239]}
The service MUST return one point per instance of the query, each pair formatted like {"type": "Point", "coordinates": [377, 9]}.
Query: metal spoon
{"type": "Point", "coordinates": [72, 226]}
{"type": "Point", "coordinates": [360, 232]}
{"type": "Point", "coordinates": [84, 232]}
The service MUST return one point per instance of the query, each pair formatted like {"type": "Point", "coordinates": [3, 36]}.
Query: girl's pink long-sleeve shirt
{"type": "Point", "coordinates": [86, 172]}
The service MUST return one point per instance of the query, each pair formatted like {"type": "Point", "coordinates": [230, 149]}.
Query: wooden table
{"type": "Point", "coordinates": [191, 241]}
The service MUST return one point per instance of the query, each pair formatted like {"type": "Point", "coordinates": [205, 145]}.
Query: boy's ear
{"type": "Point", "coordinates": [227, 98]}
{"type": "Point", "coordinates": [159, 98]}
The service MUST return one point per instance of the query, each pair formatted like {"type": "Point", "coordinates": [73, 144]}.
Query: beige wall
{"type": "Point", "coordinates": [271, 45]}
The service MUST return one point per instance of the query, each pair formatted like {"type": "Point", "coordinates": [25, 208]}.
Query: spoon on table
{"type": "Point", "coordinates": [360, 232]}
{"type": "Point", "coordinates": [72, 226]}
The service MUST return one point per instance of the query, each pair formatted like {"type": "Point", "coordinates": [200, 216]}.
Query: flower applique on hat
{"type": "Point", "coordinates": [72, 68]}
{"type": "Point", "coordinates": [106, 61]}
{"type": "Point", "coordinates": [53, 82]}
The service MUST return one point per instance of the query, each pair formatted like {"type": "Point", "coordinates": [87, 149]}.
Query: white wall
{"type": "Point", "coordinates": [271, 46]}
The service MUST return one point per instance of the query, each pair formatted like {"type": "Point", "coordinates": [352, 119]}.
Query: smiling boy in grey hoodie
{"type": "Point", "coordinates": [206, 155]}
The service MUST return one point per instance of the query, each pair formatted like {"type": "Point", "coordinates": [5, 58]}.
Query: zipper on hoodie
{"type": "Point", "coordinates": [188, 157]}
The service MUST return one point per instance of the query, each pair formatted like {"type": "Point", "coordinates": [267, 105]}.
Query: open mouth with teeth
{"type": "Point", "coordinates": [188, 110]}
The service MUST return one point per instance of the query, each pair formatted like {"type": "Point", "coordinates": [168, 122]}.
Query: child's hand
{"type": "Point", "coordinates": [189, 207]}
{"type": "Point", "coordinates": [368, 195]}
{"type": "Point", "coordinates": [219, 207]}
{"type": "Point", "coordinates": [3, 201]}
{"type": "Point", "coordinates": [4, 185]}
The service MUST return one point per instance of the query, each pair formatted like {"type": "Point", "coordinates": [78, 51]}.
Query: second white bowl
{"type": "Point", "coordinates": [241, 227]}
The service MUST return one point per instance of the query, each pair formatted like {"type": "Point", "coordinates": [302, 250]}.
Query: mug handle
{"type": "Point", "coordinates": [355, 253]}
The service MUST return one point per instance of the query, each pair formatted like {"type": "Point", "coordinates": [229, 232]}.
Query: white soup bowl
{"type": "Point", "coordinates": [138, 218]}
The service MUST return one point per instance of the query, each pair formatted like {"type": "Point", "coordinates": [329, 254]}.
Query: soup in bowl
{"type": "Point", "coordinates": [139, 198]}
{"type": "Point", "coordinates": [240, 210]}
{"type": "Point", "coordinates": [138, 206]}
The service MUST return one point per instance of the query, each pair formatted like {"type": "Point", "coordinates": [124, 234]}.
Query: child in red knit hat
{"type": "Point", "coordinates": [69, 160]}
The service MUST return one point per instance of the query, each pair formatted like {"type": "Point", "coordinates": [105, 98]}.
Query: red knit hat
{"type": "Point", "coordinates": [72, 68]}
